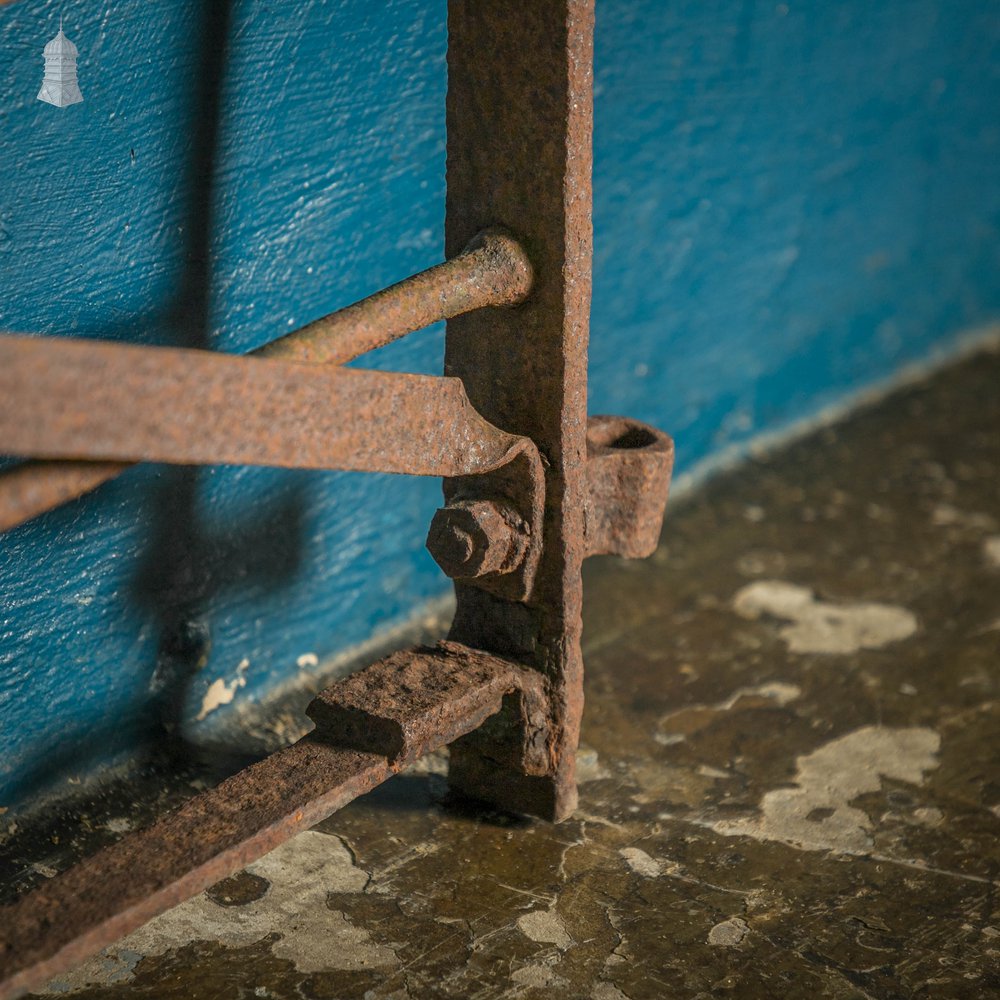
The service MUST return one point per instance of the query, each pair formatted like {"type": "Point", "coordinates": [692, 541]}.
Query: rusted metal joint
{"type": "Point", "coordinates": [416, 701]}
{"type": "Point", "coordinates": [498, 518]}
{"type": "Point", "coordinates": [629, 465]}
{"type": "Point", "coordinates": [501, 271]}
{"type": "Point", "coordinates": [368, 727]}
{"type": "Point", "coordinates": [474, 538]}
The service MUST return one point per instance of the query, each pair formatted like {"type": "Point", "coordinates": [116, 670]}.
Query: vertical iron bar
{"type": "Point", "coordinates": [519, 115]}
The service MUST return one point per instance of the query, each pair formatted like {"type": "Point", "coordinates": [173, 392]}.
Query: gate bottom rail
{"type": "Point", "coordinates": [369, 726]}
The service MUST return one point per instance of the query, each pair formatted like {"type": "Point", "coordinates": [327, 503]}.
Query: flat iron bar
{"type": "Point", "coordinates": [64, 398]}
{"type": "Point", "coordinates": [399, 708]}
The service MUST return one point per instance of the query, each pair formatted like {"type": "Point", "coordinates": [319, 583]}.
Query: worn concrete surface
{"type": "Point", "coordinates": [790, 782]}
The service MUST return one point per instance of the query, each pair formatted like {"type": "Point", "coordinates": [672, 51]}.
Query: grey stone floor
{"type": "Point", "coordinates": [790, 780]}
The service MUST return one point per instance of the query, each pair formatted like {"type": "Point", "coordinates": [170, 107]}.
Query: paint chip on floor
{"type": "Point", "coordinates": [676, 726]}
{"type": "Point", "coordinates": [728, 933]}
{"type": "Point", "coordinates": [816, 814]}
{"type": "Point", "coordinates": [537, 976]}
{"type": "Point", "coordinates": [220, 693]}
{"type": "Point", "coordinates": [821, 626]}
{"type": "Point", "coordinates": [545, 927]}
{"type": "Point", "coordinates": [640, 862]}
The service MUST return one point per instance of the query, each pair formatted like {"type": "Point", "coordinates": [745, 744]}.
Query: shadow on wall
{"type": "Point", "coordinates": [183, 566]}
{"type": "Point", "coordinates": [230, 174]}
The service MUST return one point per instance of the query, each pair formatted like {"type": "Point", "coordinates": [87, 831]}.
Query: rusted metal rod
{"type": "Point", "coordinates": [31, 488]}
{"type": "Point", "coordinates": [65, 398]}
{"type": "Point", "coordinates": [519, 114]}
{"type": "Point", "coordinates": [76, 914]}
{"type": "Point", "coordinates": [369, 726]}
{"type": "Point", "coordinates": [493, 270]}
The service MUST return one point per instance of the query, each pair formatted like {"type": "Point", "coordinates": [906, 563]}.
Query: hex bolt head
{"type": "Point", "coordinates": [473, 538]}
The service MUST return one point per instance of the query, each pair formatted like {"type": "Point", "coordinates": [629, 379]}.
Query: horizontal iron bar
{"type": "Point", "coordinates": [76, 399]}
{"type": "Point", "coordinates": [493, 270]}
{"type": "Point", "coordinates": [434, 696]}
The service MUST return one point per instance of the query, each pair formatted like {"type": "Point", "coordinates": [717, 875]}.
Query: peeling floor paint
{"type": "Point", "coordinates": [816, 814]}
{"type": "Point", "coordinates": [220, 693]}
{"type": "Point", "coordinates": [821, 626]}
{"type": "Point", "coordinates": [545, 927]}
{"type": "Point", "coordinates": [301, 874]}
{"type": "Point", "coordinates": [640, 862]}
{"type": "Point", "coordinates": [728, 933]}
{"type": "Point", "coordinates": [678, 725]}
{"type": "Point", "coordinates": [537, 976]}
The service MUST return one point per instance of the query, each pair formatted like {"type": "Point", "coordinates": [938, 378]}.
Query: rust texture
{"type": "Point", "coordinates": [519, 117]}
{"type": "Point", "coordinates": [501, 514]}
{"type": "Point", "coordinates": [31, 488]}
{"type": "Point", "coordinates": [399, 708]}
{"type": "Point", "coordinates": [66, 398]}
{"type": "Point", "coordinates": [471, 539]}
{"type": "Point", "coordinates": [628, 477]}
{"type": "Point", "coordinates": [418, 700]}
{"type": "Point", "coordinates": [492, 270]}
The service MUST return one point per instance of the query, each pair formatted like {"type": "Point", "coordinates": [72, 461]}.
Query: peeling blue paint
{"type": "Point", "coordinates": [791, 202]}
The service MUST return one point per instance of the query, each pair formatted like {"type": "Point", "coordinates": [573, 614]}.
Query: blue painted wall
{"type": "Point", "coordinates": [791, 202]}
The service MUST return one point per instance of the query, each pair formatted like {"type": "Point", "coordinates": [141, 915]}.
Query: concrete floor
{"type": "Point", "coordinates": [790, 780]}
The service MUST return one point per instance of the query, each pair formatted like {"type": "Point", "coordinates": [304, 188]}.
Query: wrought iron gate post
{"type": "Point", "coordinates": [520, 82]}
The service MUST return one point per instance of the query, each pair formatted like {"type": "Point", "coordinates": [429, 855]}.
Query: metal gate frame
{"type": "Point", "coordinates": [531, 485]}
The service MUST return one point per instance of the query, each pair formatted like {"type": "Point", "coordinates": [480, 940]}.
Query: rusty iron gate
{"type": "Point", "coordinates": [531, 486]}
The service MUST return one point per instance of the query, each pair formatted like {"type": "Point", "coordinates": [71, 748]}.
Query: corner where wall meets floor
{"type": "Point", "coordinates": [790, 777]}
